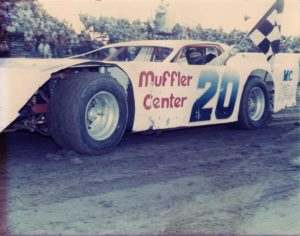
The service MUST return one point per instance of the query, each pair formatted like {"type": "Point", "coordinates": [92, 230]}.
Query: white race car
{"type": "Point", "coordinates": [86, 104]}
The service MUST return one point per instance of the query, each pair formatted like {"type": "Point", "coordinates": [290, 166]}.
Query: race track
{"type": "Point", "coordinates": [207, 180]}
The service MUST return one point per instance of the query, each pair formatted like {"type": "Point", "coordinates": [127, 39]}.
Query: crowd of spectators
{"type": "Point", "coordinates": [122, 30]}
{"type": "Point", "coordinates": [43, 35]}
{"type": "Point", "coordinates": [4, 48]}
{"type": "Point", "coordinates": [46, 36]}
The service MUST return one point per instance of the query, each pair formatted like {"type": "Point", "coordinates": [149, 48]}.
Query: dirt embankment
{"type": "Point", "coordinates": [204, 180]}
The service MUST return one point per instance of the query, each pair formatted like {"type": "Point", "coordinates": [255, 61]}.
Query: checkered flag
{"type": "Point", "coordinates": [266, 33]}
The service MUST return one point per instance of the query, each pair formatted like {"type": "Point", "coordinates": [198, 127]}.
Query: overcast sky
{"type": "Point", "coordinates": [228, 14]}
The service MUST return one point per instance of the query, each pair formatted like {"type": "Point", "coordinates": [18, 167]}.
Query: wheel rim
{"type": "Point", "coordinates": [101, 115]}
{"type": "Point", "coordinates": [256, 103]}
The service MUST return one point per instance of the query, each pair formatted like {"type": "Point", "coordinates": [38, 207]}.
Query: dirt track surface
{"type": "Point", "coordinates": [207, 180]}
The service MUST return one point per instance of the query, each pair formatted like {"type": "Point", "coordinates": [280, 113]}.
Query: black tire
{"type": "Point", "coordinates": [72, 113]}
{"type": "Point", "coordinates": [56, 107]}
{"type": "Point", "coordinates": [251, 116]}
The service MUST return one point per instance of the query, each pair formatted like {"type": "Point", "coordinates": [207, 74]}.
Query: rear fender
{"type": "Point", "coordinates": [283, 76]}
{"type": "Point", "coordinates": [286, 77]}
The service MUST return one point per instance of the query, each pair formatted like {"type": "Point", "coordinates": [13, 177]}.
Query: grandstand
{"type": "Point", "coordinates": [27, 30]}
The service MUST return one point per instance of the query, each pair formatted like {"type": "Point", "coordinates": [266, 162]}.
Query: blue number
{"type": "Point", "coordinates": [198, 112]}
{"type": "Point", "coordinates": [228, 78]}
{"type": "Point", "coordinates": [212, 78]}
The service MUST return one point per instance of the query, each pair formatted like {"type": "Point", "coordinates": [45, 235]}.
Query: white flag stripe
{"type": "Point", "coordinates": [269, 53]}
{"type": "Point", "coordinates": [257, 37]}
{"type": "Point", "coordinates": [274, 35]}
{"type": "Point", "coordinates": [272, 17]}
{"type": "Point", "coordinates": [279, 18]}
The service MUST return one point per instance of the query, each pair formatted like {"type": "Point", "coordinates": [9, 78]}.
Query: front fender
{"type": "Point", "coordinates": [20, 79]}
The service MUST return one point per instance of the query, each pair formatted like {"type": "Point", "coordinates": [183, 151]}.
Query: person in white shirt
{"type": "Point", "coordinates": [44, 49]}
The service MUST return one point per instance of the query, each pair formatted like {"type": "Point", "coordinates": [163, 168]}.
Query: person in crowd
{"type": "Point", "coordinates": [3, 27]}
{"type": "Point", "coordinates": [44, 49]}
{"type": "Point", "coordinates": [4, 49]}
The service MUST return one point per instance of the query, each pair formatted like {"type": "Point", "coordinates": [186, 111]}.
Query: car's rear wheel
{"type": "Point", "coordinates": [255, 105]}
{"type": "Point", "coordinates": [90, 117]}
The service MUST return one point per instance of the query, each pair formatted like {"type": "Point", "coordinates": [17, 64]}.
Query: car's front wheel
{"type": "Point", "coordinates": [91, 115]}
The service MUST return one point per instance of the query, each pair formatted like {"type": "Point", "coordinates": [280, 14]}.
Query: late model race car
{"type": "Point", "coordinates": [86, 103]}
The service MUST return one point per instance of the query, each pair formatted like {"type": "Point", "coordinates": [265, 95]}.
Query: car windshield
{"type": "Point", "coordinates": [130, 53]}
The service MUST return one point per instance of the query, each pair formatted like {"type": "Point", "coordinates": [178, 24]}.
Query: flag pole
{"type": "Point", "coordinates": [242, 40]}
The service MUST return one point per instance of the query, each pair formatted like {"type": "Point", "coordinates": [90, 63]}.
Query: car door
{"type": "Point", "coordinates": [176, 94]}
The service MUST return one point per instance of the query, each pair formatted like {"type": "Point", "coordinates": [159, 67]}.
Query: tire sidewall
{"type": "Point", "coordinates": [88, 92]}
{"type": "Point", "coordinates": [244, 117]}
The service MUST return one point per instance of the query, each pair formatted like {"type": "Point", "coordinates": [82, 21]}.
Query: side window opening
{"type": "Point", "coordinates": [211, 53]}
{"type": "Point", "coordinates": [160, 54]}
{"type": "Point", "coordinates": [196, 55]}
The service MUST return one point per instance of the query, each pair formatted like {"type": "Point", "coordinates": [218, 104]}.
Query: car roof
{"type": "Point", "coordinates": [165, 43]}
